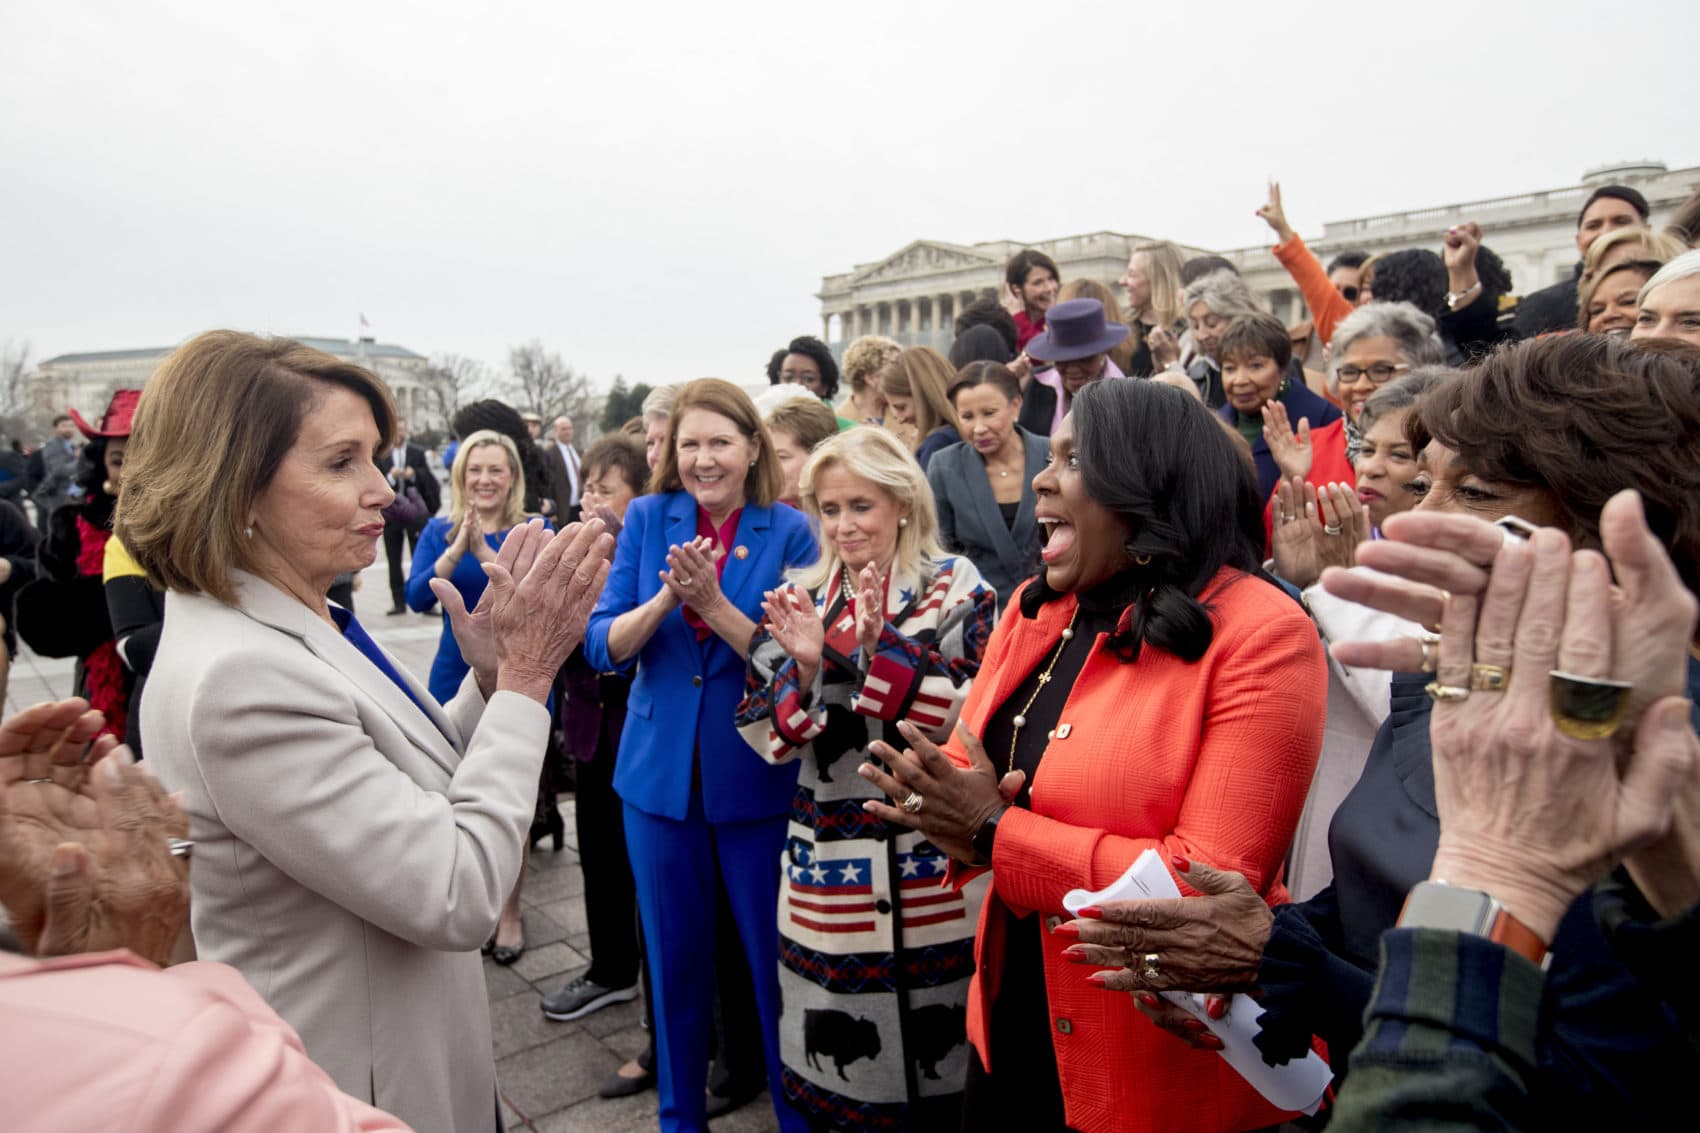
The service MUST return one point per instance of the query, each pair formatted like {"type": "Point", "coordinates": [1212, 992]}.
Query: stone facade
{"type": "Point", "coordinates": [87, 381]}
{"type": "Point", "coordinates": [914, 294]}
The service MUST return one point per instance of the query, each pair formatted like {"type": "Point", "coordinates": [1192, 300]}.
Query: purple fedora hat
{"type": "Point", "coordinates": [1075, 328]}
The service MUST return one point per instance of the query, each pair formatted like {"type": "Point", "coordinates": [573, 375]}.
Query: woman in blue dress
{"type": "Point", "coordinates": [487, 494]}
{"type": "Point", "coordinates": [682, 602]}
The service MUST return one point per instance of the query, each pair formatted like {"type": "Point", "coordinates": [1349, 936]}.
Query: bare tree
{"type": "Point", "coordinates": [541, 383]}
{"type": "Point", "coordinates": [14, 364]}
{"type": "Point", "coordinates": [454, 380]}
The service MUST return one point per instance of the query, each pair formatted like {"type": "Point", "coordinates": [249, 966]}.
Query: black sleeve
{"type": "Point", "coordinates": [56, 555]}
{"type": "Point", "coordinates": [1309, 986]}
{"type": "Point", "coordinates": [1474, 328]}
{"type": "Point", "coordinates": [137, 611]}
{"type": "Point", "coordinates": [424, 479]}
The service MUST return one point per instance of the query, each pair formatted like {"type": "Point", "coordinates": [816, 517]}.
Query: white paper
{"type": "Point", "coordinates": [1300, 1085]}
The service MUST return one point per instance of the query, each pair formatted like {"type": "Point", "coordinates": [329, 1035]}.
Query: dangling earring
{"type": "Point", "coordinates": [1142, 560]}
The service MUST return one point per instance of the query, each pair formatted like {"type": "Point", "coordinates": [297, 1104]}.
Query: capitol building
{"type": "Point", "coordinates": [914, 294]}
{"type": "Point", "coordinates": [88, 380]}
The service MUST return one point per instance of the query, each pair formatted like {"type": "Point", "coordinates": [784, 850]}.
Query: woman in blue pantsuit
{"type": "Point", "coordinates": [682, 600]}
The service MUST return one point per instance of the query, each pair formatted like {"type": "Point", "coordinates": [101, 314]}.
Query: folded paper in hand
{"type": "Point", "coordinates": [1298, 1086]}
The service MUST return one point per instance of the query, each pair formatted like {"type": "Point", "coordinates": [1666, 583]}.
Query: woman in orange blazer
{"type": "Point", "coordinates": [1151, 689]}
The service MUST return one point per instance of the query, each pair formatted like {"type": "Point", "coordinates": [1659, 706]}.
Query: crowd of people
{"type": "Point", "coordinates": [1378, 633]}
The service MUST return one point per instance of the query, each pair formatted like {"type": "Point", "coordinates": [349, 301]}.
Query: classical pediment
{"type": "Point", "coordinates": [923, 257]}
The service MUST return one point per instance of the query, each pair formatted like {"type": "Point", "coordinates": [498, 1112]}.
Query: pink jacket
{"type": "Point", "coordinates": [106, 1041]}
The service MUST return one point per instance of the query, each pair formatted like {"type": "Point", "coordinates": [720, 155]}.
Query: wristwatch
{"type": "Point", "coordinates": [1435, 904]}
{"type": "Point", "coordinates": [984, 837]}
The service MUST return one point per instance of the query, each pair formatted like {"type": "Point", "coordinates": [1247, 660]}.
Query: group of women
{"type": "Point", "coordinates": [893, 692]}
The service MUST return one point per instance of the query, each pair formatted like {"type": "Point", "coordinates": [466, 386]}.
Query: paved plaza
{"type": "Point", "coordinates": [548, 1072]}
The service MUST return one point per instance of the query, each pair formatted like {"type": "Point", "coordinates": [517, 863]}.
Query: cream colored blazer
{"type": "Point", "coordinates": [352, 850]}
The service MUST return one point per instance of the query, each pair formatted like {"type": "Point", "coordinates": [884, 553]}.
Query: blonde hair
{"type": "Point", "coordinates": [764, 481]}
{"type": "Point", "coordinates": [866, 357]}
{"type": "Point", "coordinates": [513, 508]}
{"type": "Point", "coordinates": [922, 375]}
{"type": "Point", "coordinates": [1657, 247]}
{"type": "Point", "coordinates": [1162, 267]}
{"type": "Point", "coordinates": [212, 428]}
{"type": "Point", "coordinates": [879, 458]}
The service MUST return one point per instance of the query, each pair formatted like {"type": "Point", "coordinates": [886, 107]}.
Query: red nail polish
{"type": "Point", "coordinates": [1181, 864]}
{"type": "Point", "coordinates": [1074, 953]}
{"type": "Point", "coordinates": [1098, 979]}
{"type": "Point", "coordinates": [1148, 999]}
{"type": "Point", "coordinates": [1193, 1025]}
{"type": "Point", "coordinates": [1215, 1008]}
{"type": "Point", "coordinates": [1068, 930]}
{"type": "Point", "coordinates": [1211, 1042]}
{"type": "Point", "coordinates": [1090, 913]}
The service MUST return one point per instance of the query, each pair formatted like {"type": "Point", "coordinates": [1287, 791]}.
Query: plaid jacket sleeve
{"type": "Point", "coordinates": [1450, 1038]}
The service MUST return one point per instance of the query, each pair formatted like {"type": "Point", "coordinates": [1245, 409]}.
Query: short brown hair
{"type": "Point", "coordinates": [807, 419]}
{"type": "Point", "coordinates": [1582, 416]}
{"type": "Point", "coordinates": [923, 375]}
{"type": "Point", "coordinates": [1256, 335]}
{"type": "Point", "coordinates": [765, 480]}
{"type": "Point", "coordinates": [211, 429]}
{"type": "Point", "coordinates": [620, 451]}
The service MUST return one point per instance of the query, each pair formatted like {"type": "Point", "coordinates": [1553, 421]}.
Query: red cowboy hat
{"type": "Point", "coordinates": [115, 422]}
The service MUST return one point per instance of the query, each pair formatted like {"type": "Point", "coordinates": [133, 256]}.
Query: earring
{"type": "Point", "coordinates": [903, 521]}
{"type": "Point", "coordinates": [106, 486]}
{"type": "Point", "coordinates": [1142, 560]}
{"type": "Point", "coordinates": [248, 531]}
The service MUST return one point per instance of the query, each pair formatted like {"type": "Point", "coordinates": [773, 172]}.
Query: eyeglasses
{"type": "Point", "coordinates": [1351, 294]}
{"type": "Point", "coordinates": [1378, 373]}
{"type": "Point", "coordinates": [1092, 363]}
{"type": "Point", "coordinates": [792, 378]}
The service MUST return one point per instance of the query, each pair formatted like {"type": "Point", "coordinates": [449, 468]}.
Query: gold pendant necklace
{"type": "Point", "coordinates": [1020, 720]}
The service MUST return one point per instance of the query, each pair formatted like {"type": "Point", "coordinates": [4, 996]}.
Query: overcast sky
{"type": "Point", "coordinates": [656, 189]}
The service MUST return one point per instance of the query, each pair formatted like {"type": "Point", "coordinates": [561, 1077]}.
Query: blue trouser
{"type": "Point", "coordinates": [675, 866]}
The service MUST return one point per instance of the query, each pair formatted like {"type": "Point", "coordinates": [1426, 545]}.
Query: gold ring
{"type": "Point", "coordinates": [1587, 708]}
{"type": "Point", "coordinates": [912, 803]}
{"type": "Point", "coordinates": [1489, 678]}
{"type": "Point", "coordinates": [1438, 692]}
{"type": "Point", "coordinates": [1149, 971]}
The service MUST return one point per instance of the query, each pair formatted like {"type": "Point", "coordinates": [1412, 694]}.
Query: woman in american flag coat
{"type": "Point", "coordinates": [875, 952]}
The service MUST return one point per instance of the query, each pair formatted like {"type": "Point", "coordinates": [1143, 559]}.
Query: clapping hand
{"type": "Point", "coordinates": [1344, 524]}
{"type": "Point", "coordinates": [793, 622]}
{"type": "Point", "coordinates": [870, 610]}
{"type": "Point", "coordinates": [1292, 451]}
{"type": "Point", "coordinates": [85, 839]}
{"type": "Point", "coordinates": [692, 574]}
{"type": "Point", "coordinates": [1296, 532]}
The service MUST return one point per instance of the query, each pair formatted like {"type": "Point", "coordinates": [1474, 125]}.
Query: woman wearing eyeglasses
{"type": "Point", "coordinates": [1371, 346]}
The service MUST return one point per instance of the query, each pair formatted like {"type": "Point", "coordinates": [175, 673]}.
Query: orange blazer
{"type": "Point", "coordinates": [1208, 760]}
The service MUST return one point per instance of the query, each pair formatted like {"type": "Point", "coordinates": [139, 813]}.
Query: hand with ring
{"type": "Point", "coordinates": [86, 867]}
{"type": "Point", "coordinates": [1345, 525]}
{"type": "Point", "coordinates": [1296, 532]}
{"type": "Point", "coordinates": [947, 803]}
{"type": "Point", "coordinates": [692, 576]}
{"type": "Point", "coordinates": [1528, 812]}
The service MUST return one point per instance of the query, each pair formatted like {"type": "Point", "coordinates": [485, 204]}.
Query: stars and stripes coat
{"type": "Point", "coordinates": [875, 952]}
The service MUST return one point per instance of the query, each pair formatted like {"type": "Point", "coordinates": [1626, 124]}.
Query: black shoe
{"type": "Point", "coordinates": [619, 1086]}
{"type": "Point", "coordinates": [553, 827]}
{"type": "Point", "coordinates": [720, 1104]}
{"type": "Point", "coordinates": [394, 610]}
{"type": "Point", "coordinates": [505, 956]}
{"type": "Point", "coordinates": [582, 997]}
{"type": "Point", "coordinates": [489, 946]}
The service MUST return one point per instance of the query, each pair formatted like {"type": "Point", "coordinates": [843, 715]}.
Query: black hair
{"type": "Point", "coordinates": [809, 347]}
{"type": "Point", "coordinates": [980, 344]}
{"type": "Point", "coordinates": [1414, 275]}
{"type": "Point", "coordinates": [505, 419]}
{"type": "Point", "coordinates": [985, 373]}
{"type": "Point", "coordinates": [1200, 266]}
{"type": "Point", "coordinates": [1156, 456]}
{"type": "Point", "coordinates": [1019, 265]}
{"type": "Point", "coordinates": [1631, 197]}
{"type": "Point", "coordinates": [90, 476]}
{"type": "Point", "coordinates": [1350, 258]}
{"type": "Point", "coordinates": [990, 313]}
{"type": "Point", "coordinates": [1495, 276]}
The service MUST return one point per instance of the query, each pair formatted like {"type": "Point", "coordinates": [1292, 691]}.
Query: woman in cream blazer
{"type": "Point", "coordinates": [354, 841]}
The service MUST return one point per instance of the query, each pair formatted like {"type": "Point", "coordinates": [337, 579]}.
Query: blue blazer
{"type": "Point", "coordinates": [686, 691]}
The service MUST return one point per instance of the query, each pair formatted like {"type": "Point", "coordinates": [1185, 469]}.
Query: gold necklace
{"type": "Point", "coordinates": [1020, 720]}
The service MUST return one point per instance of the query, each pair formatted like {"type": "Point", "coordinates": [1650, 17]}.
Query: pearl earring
{"type": "Point", "coordinates": [248, 531]}
{"type": "Point", "coordinates": [903, 521]}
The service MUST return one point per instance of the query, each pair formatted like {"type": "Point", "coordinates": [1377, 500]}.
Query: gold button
{"type": "Point", "coordinates": [697, 681]}
{"type": "Point", "coordinates": [1064, 1027]}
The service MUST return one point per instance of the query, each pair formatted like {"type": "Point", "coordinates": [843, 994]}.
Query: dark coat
{"type": "Point", "coordinates": [430, 492]}
{"type": "Point", "coordinates": [1550, 308]}
{"type": "Point", "coordinates": [1611, 1053]}
{"type": "Point", "coordinates": [1299, 402]}
{"type": "Point", "coordinates": [970, 522]}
